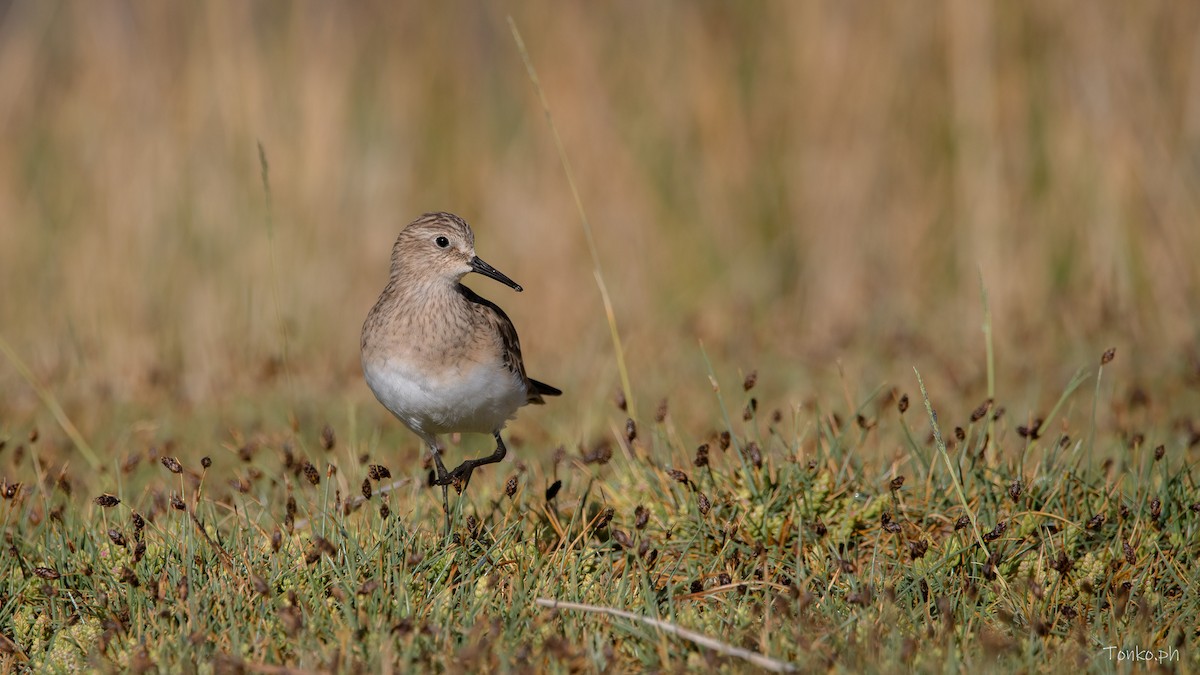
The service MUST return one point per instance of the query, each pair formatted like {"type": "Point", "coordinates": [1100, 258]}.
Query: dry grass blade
{"type": "Point", "coordinates": [51, 402]}
{"type": "Point", "coordinates": [764, 662]}
{"type": "Point", "coordinates": [587, 226]}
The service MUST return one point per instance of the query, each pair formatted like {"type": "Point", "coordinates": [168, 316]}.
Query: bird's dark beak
{"type": "Point", "coordinates": [487, 270]}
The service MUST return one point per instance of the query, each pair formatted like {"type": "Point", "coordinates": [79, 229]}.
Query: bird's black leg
{"type": "Point", "coordinates": [461, 475]}
{"type": "Point", "coordinates": [443, 480]}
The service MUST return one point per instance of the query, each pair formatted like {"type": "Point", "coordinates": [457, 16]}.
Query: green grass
{"type": "Point", "coordinates": [797, 540]}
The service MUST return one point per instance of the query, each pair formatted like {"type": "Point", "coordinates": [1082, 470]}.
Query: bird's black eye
{"type": "Point", "coordinates": [442, 242]}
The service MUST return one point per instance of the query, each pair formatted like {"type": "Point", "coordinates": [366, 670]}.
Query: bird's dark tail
{"type": "Point", "coordinates": [540, 389]}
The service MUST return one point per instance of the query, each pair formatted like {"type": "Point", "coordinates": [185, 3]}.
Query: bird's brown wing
{"type": "Point", "coordinates": [510, 343]}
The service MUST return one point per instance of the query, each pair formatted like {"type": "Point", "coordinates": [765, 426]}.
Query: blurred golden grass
{"type": "Point", "coordinates": [792, 183]}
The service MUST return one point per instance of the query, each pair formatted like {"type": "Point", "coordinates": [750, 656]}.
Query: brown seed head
{"type": "Point", "coordinates": [46, 573]}
{"type": "Point", "coordinates": [641, 516]}
{"type": "Point", "coordinates": [172, 464]}
{"type": "Point", "coordinates": [206, 461]}
{"type": "Point", "coordinates": [701, 456]}
{"type": "Point", "coordinates": [917, 548]}
{"type": "Point", "coordinates": [1014, 490]}
{"type": "Point", "coordinates": [903, 404]}
{"type": "Point", "coordinates": [661, 413]}
{"type": "Point", "coordinates": [703, 504]}
{"type": "Point", "coordinates": [980, 411]}
{"type": "Point", "coordinates": [679, 476]}
{"type": "Point", "coordinates": [328, 439]}
{"type": "Point", "coordinates": [177, 503]}
{"type": "Point", "coordinates": [552, 491]}
{"type": "Point", "coordinates": [107, 501]}
{"type": "Point", "coordinates": [510, 487]}
{"type": "Point", "coordinates": [750, 380]}
{"type": "Point", "coordinates": [755, 454]}
{"type": "Point", "coordinates": [996, 532]}
{"type": "Point", "coordinates": [1159, 452]}
{"type": "Point", "coordinates": [116, 537]}
{"type": "Point", "coordinates": [311, 473]}
{"type": "Point", "coordinates": [630, 429]}
{"type": "Point", "coordinates": [1108, 355]}
{"type": "Point", "coordinates": [897, 483]}
{"type": "Point", "coordinates": [366, 488]}
{"type": "Point", "coordinates": [622, 539]}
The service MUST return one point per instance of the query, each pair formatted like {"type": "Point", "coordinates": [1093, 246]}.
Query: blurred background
{"type": "Point", "coordinates": [814, 190]}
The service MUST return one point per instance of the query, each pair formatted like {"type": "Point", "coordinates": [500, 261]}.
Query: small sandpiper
{"type": "Point", "coordinates": [437, 355]}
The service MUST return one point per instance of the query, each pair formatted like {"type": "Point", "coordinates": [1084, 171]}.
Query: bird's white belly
{"type": "Point", "coordinates": [473, 398]}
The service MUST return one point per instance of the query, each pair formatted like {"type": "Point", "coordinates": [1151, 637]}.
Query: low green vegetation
{"type": "Point", "coordinates": [785, 531]}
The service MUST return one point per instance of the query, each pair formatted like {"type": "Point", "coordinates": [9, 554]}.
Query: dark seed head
{"type": "Point", "coordinates": [384, 510]}
{"type": "Point", "coordinates": [1155, 508]}
{"type": "Point", "coordinates": [897, 483]}
{"type": "Point", "coordinates": [979, 412]}
{"type": "Point", "coordinates": [378, 472]}
{"type": "Point", "coordinates": [46, 573]}
{"type": "Point", "coordinates": [311, 473]}
{"type": "Point", "coordinates": [177, 503]}
{"type": "Point", "coordinates": [996, 532]}
{"type": "Point", "coordinates": [641, 516]}
{"type": "Point", "coordinates": [1095, 522]}
{"type": "Point", "coordinates": [290, 506]}
{"type": "Point", "coordinates": [116, 537]}
{"type": "Point", "coordinates": [755, 454]}
{"type": "Point", "coordinates": [1062, 564]}
{"type": "Point", "coordinates": [622, 539]}
{"type": "Point", "coordinates": [903, 404]}
{"type": "Point", "coordinates": [894, 528]}
{"type": "Point", "coordinates": [605, 518]}
{"type": "Point", "coordinates": [138, 521]}
{"type": "Point", "coordinates": [750, 380]}
{"type": "Point", "coordinates": [630, 429]}
{"type": "Point", "coordinates": [172, 464]}
{"type": "Point", "coordinates": [510, 487]}
{"type": "Point", "coordinates": [366, 488]}
{"type": "Point", "coordinates": [679, 476]}
{"type": "Point", "coordinates": [962, 522]}
{"type": "Point", "coordinates": [552, 491]}
{"type": "Point", "coordinates": [703, 504]}
{"type": "Point", "coordinates": [701, 456]}
{"type": "Point", "coordinates": [1159, 452]}
{"type": "Point", "coordinates": [328, 439]}
{"type": "Point", "coordinates": [107, 501]}
{"type": "Point", "coordinates": [1130, 556]}
{"type": "Point", "coordinates": [619, 399]}
{"type": "Point", "coordinates": [724, 440]}
{"type": "Point", "coordinates": [960, 434]}
{"type": "Point", "coordinates": [917, 548]}
{"type": "Point", "coordinates": [1108, 355]}
{"type": "Point", "coordinates": [1014, 490]}
{"type": "Point", "coordinates": [206, 461]}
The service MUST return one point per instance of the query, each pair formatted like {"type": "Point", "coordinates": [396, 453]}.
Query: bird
{"type": "Point", "coordinates": [440, 357]}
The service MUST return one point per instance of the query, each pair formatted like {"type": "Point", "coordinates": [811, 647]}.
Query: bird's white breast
{"type": "Point", "coordinates": [470, 397]}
